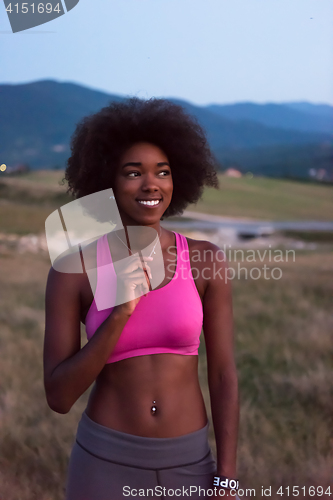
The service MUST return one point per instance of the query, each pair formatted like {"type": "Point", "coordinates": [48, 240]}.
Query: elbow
{"type": "Point", "coordinates": [58, 408]}
{"type": "Point", "coordinates": [57, 404]}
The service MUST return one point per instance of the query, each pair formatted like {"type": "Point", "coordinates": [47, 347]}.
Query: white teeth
{"type": "Point", "coordinates": [150, 203]}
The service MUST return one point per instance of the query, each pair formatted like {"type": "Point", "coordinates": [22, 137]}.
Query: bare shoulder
{"type": "Point", "coordinates": [206, 252]}
{"type": "Point", "coordinates": [68, 272]}
{"type": "Point", "coordinates": [208, 264]}
{"type": "Point", "coordinates": [76, 260]}
{"type": "Point", "coordinates": [64, 278]}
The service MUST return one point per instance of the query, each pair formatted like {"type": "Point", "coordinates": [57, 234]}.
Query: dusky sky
{"type": "Point", "coordinates": [204, 51]}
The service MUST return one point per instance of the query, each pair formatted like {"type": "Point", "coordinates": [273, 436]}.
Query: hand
{"type": "Point", "coordinates": [132, 282]}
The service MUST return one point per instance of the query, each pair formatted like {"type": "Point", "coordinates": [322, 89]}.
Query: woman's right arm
{"type": "Point", "coordinates": [69, 370]}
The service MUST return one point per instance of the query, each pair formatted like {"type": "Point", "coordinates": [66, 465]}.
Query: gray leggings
{"type": "Point", "coordinates": [110, 465]}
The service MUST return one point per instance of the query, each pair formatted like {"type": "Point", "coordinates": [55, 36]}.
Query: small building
{"type": "Point", "coordinates": [320, 174]}
{"type": "Point", "coordinates": [232, 172]}
{"type": "Point", "coordinates": [19, 168]}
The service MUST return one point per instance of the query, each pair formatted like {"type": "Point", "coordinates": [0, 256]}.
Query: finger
{"type": "Point", "coordinates": [136, 281]}
{"type": "Point", "coordinates": [144, 290]}
{"type": "Point", "coordinates": [144, 282]}
{"type": "Point", "coordinates": [147, 268]}
{"type": "Point", "coordinates": [135, 274]}
{"type": "Point", "coordinates": [131, 267]}
{"type": "Point", "coordinates": [140, 288]}
{"type": "Point", "coordinates": [136, 263]}
{"type": "Point", "coordinates": [147, 279]}
{"type": "Point", "coordinates": [146, 286]}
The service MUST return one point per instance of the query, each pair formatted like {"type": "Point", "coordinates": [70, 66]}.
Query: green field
{"type": "Point", "coordinates": [268, 199]}
{"type": "Point", "coordinates": [284, 348]}
{"type": "Point", "coordinates": [39, 193]}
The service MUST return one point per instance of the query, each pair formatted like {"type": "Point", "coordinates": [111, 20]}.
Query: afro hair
{"type": "Point", "coordinates": [101, 139]}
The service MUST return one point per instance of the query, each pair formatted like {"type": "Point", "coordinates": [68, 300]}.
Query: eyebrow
{"type": "Point", "coordinates": [138, 164]}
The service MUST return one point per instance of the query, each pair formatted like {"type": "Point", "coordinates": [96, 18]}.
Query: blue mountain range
{"type": "Point", "coordinates": [281, 140]}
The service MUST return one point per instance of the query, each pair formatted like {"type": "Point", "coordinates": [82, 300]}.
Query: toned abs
{"type": "Point", "coordinates": [124, 391]}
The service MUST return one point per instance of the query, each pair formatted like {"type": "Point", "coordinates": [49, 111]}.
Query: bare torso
{"type": "Point", "coordinates": [124, 391]}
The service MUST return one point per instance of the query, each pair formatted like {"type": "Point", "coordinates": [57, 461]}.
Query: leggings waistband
{"type": "Point", "coordinates": [141, 452]}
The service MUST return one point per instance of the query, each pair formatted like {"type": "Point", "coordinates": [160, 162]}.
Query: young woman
{"type": "Point", "coordinates": [145, 430]}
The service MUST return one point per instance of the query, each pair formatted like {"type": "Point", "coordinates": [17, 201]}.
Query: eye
{"type": "Point", "coordinates": [133, 174]}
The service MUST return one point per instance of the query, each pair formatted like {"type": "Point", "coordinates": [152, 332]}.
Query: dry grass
{"type": "Point", "coordinates": [35, 442]}
{"type": "Point", "coordinates": [284, 357]}
{"type": "Point", "coordinates": [268, 199]}
{"type": "Point", "coordinates": [25, 205]}
{"type": "Point", "coordinates": [260, 197]}
{"type": "Point", "coordinates": [284, 348]}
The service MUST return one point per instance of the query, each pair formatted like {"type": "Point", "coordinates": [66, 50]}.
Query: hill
{"type": "Point", "coordinates": [38, 119]}
{"type": "Point", "coordinates": [304, 117]}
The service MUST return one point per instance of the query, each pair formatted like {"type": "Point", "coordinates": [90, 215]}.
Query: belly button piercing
{"type": "Point", "coordinates": [153, 409]}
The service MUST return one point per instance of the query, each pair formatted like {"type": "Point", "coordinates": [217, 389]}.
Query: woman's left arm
{"type": "Point", "coordinates": [221, 367]}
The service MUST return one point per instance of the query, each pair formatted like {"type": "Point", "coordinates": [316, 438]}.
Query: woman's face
{"type": "Point", "coordinates": [143, 174]}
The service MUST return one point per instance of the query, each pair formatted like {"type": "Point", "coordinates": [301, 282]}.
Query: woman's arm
{"type": "Point", "coordinates": [222, 375]}
{"type": "Point", "coordinates": [69, 370]}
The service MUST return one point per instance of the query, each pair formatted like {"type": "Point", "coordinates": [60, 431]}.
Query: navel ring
{"type": "Point", "coordinates": [153, 409]}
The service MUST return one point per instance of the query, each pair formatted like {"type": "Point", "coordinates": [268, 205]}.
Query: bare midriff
{"type": "Point", "coordinates": [124, 391]}
{"type": "Point", "coordinates": [123, 395]}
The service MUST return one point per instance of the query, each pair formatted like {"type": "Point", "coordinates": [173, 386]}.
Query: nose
{"type": "Point", "coordinates": [149, 182]}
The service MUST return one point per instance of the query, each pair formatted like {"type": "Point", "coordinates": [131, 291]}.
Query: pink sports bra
{"type": "Point", "coordinates": [167, 320]}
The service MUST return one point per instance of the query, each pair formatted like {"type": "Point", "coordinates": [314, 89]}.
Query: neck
{"type": "Point", "coordinates": [139, 237]}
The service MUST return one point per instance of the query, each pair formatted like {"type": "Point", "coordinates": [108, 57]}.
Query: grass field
{"type": "Point", "coordinates": [269, 199]}
{"type": "Point", "coordinates": [284, 348]}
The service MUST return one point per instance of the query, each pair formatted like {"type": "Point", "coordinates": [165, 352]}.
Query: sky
{"type": "Point", "coordinates": [203, 51]}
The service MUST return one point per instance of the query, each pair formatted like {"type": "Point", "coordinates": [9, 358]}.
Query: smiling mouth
{"type": "Point", "coordinates": [149, 203]}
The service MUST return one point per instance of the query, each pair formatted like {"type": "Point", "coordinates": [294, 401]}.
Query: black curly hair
{"type": "Point", "coordinates": [101, 139]}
